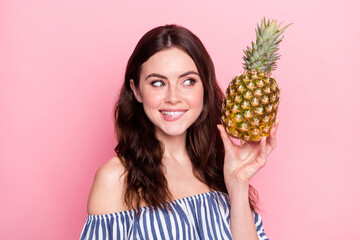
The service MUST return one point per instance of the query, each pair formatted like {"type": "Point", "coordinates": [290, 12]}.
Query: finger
{"type": "Point", "coordinates": [242, 142]}
{"type": "Point", "coordinates": [225, 137]}
{"type": "Point", "coordinates": [277, 121]}
{"type": "Point", "coordinates": [263, 152]}
{"type": "Point", "coordinates": [272, 139]}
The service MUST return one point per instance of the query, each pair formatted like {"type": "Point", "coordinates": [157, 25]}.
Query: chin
{"type": "Point", "coordinates": [172, 132]}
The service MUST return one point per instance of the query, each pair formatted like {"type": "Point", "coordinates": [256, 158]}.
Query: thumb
{"type": "Point", "coordinates": [225, 137]}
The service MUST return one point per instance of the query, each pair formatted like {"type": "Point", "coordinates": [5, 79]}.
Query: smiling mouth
{"type": "Point", "coordinates": [172, 113]}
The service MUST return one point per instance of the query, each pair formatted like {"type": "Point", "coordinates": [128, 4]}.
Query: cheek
{"type": "Point", "coordinates": [196, 98]}
{"type": "Point", "coordinates": [200, 96]}
{"type": "Point", "coordinates": [151, 99]}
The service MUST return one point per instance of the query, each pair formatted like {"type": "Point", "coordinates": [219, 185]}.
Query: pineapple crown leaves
{"type": "Point", "coordinates": [262, 55]}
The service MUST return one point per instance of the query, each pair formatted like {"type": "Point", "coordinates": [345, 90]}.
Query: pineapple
{"type": "Point", "coordinates": [252, 98]}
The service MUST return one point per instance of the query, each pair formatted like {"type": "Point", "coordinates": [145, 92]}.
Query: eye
{"type": "Point", "coordinates": [157, 83]}
{"type": "Point", "coordinates": [189, 82]}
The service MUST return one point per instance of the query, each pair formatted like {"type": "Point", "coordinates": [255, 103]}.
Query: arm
{"type": "Point", "coordinates": [242, 224]}
{"type": "Point", "coordinates": [106, 194]}
{"type": "Point", "coordinates": [241, 162]}
{"type": "Point", "coordinates": [105, 198]}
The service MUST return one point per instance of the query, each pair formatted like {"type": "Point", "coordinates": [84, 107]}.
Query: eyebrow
{"type": "Point", "coordinates": [163, 77]}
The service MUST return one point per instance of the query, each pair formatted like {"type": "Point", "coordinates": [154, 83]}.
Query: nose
{"type": "Point", "coordinates": [173, 95]}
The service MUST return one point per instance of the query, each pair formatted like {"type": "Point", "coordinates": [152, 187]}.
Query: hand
{"type": "Point", "coordinates": [244, 160]}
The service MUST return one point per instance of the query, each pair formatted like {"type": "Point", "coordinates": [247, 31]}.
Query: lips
{"type": "Point", "coordinates": [172, 115]}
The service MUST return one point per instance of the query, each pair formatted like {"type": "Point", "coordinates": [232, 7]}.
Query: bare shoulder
{"type": "Point", "coordinates": [106, 195]}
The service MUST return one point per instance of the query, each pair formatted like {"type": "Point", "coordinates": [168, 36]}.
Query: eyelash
{"type": "Point", "coordinates": [192, 82]}
{"type": "Point", "coordinates": [157, 81]}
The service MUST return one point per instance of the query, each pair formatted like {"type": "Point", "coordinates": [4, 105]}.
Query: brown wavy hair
{"type": "Point", "coordinates": [141, 152]}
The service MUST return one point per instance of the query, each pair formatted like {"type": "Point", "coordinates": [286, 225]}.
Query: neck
{"type": "Point", "coordinates": [175, 146]}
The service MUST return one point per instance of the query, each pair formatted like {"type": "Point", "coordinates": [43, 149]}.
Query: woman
{"type": "Point", "coordinates": [176, 172]}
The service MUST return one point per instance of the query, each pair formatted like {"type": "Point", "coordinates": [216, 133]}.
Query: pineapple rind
{"type": "Point", "coordinates": [246, 115]}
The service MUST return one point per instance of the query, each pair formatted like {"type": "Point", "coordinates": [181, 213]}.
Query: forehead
{"type": "Point", "coordinates": [169, 61]}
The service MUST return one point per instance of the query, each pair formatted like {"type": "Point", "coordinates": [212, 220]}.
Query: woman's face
{"type": "Point", "coordinates": [171, 91]}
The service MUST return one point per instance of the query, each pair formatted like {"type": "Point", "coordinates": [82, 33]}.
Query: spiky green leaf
{"type": "Point", "coordinates": [262, 56]}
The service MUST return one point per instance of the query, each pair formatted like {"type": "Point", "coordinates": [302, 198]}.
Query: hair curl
{"type": "Point", "coordinates": [141, 152]}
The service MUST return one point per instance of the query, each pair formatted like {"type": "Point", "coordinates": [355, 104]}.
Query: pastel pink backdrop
{"type": "Point", "coordinates": [62, 65]}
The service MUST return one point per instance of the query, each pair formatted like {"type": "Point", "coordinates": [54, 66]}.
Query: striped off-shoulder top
{"type": "Point", "coordinates": [203, 216]}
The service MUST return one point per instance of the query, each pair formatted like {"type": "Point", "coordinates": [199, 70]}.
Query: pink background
{"type": "Point", "coordinates": [61, 67]}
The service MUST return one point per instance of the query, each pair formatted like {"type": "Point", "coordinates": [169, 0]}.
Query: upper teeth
{"type": "Point", "coordinates": [172, 113]}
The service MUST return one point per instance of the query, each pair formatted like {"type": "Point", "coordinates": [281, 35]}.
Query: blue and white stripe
{"type": "Point", "coordinates": [203, 216]}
